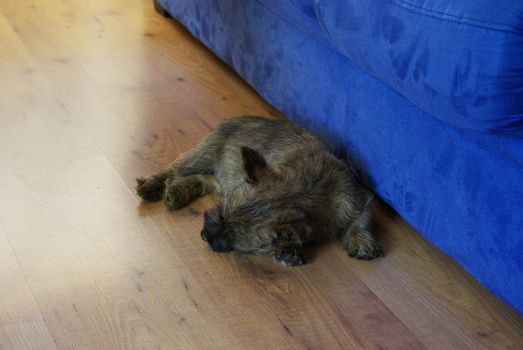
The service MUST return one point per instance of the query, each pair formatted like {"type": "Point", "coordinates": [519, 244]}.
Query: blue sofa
{"type": "Point", "coordinates": [425, 96]}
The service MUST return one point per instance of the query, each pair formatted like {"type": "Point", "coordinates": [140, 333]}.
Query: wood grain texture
{"type": "Point", "coordinates": [98, 92]}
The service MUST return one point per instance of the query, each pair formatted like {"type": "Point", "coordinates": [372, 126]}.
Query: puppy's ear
{"type": "Point", "coordinates": [254, 163]}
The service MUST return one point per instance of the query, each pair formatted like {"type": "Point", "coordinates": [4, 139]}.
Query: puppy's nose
{"type": "Point", "coordinates": [219, 244]}
{"type": "Point", "coordinates": [205, 235]}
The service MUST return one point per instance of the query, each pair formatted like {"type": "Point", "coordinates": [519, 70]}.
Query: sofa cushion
{"type": "Point", "coordinates": [461, 61]}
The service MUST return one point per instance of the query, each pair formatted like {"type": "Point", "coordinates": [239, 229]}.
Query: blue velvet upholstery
{"type": "Point", "coordinates": [461, 189]}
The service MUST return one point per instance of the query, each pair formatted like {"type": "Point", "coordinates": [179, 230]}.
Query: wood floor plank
{"type": "Point", "coordinates": [63, 263]}
{"type": "Point", "coordinates": [21, 323]}
{"type": "Point", "coordinates": [140, 86]}
{"type": "Point", "coordinates": [309, 303]}
{"type": "Point", "coordinates": [34, 121]}
{"type": "Point", "coordinates": [27, 334]}
{"type": "Point", "coordinates": [103, 91]}
{"type": "Point", "coordinates": [433, 295]}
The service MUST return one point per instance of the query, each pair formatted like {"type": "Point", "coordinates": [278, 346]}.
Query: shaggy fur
{"type": "Point", "coordinates": [279, 188]}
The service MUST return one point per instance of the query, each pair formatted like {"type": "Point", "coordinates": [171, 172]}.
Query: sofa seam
{"type": "Point", "coordinates": [289, 22]}
{"type": "Point", "coordinates": [456, 19]}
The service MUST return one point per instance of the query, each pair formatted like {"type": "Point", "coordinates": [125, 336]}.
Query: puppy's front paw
{"type": "Point", "coordinates": [364, 246]}
{"type": "Point", "coordinates": [290, 255]}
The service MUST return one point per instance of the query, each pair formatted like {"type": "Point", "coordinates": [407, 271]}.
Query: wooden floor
{"type": "Point", "coordinates": [94, 93]}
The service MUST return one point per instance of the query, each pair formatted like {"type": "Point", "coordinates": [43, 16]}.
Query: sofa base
{"type": "Point", "coordinates": [158, 7]}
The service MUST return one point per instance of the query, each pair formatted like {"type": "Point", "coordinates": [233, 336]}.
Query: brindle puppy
{"type": "Point", "coordinates": [279, 189]}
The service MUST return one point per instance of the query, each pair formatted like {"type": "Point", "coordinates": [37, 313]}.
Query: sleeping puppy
{"type": "Point", "coordinates": [279, 189]}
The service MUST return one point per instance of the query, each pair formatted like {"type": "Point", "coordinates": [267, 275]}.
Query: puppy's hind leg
{"type": "Point", "coordinates": [182, 190]}
{"type": "Point", "coordinates": [358, 239]}
{"type": "Point", "coordinates": [199, 160]}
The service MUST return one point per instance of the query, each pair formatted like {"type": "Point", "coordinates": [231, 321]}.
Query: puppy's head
{"type": "Point", "coordinates": [254, 212]}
